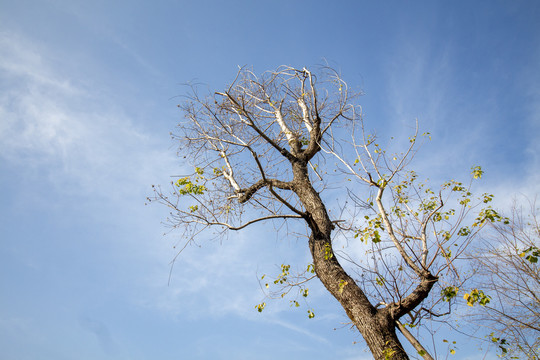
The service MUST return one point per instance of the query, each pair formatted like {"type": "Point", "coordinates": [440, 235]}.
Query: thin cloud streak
{"type": "Point", "coordinates": [68, 129]}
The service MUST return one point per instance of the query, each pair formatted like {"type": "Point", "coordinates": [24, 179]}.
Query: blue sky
{"type": "Point", "coordinates": [88, 95]}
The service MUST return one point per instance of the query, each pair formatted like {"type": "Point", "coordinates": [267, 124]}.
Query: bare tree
{"type": "Point", "coordinates": [509, 270]}
{"type": "Point", "coordinates": [268, 147]}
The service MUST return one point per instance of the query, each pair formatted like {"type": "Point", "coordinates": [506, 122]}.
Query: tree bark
{"type": "Point", "coordinates": [415, 343]}
{"type": "Point", "coordinates": [377, 326]}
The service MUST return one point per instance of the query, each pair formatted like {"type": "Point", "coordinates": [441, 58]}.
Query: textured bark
{"type": "Point", "coordinates": [377, 326]}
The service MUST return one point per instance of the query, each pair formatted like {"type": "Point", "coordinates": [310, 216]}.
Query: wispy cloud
{"type": "Point", "coordinates": [68, 129]}
{"type": "Point", "coordinates": [75, 139]}
{"type": "Point", "coordinates": [469, 122]}
{"type": "Point", "coordinates": [299, 329]}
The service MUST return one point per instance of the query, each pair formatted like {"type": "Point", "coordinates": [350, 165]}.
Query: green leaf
{"type": "Point", "coordinates": [477, 296]}
{"type": "Point", "coordinates": [328, 253]}
{"type": "Point", "coordinates": [341, 285]}
{"type": "Point", "coordinates": [477, 172]}
{"type": "Point", "coordinates": [531, 254]}
{"type": "Point", "coordinates": [376, 237]}
{"type": "Point", "coordinates": [449, 293]}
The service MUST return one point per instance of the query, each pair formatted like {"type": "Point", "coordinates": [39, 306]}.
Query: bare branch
{"type": "Point", "coordinates": [240, 227]}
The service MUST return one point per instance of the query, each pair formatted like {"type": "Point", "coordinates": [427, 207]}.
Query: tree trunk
{"type": "Point", "coordinates": [377, 326]}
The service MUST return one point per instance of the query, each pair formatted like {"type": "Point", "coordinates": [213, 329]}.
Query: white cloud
{"type": "Point", "coordinates": [299, 329]}
{"type": "Point", "coordinates": [466, 118]}
{"type": "Point", "coordinates": [68, 129]}
{"type": "Point", "coordinates": [218, 279]}
{"type": "Point", "coordinates": [69, 133]}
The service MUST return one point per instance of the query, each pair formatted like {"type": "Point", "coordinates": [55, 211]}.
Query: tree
{"type": "Point", "coordinates": [269, 147]}
{"type": "Point", "coordinates": [509, 270]}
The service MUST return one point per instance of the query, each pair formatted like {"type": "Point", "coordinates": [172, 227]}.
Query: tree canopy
{"type": "Point", "coordinates": [270, 147]}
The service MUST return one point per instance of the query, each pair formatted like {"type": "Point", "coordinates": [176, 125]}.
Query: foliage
{"type": "Point", "coordinates": [531, 254]}
{"type": "Point", "coordinates": [477, 296]}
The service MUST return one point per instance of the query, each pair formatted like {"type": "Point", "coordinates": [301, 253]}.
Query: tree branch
{"type": "Point", "coordinates": [239, 227]}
